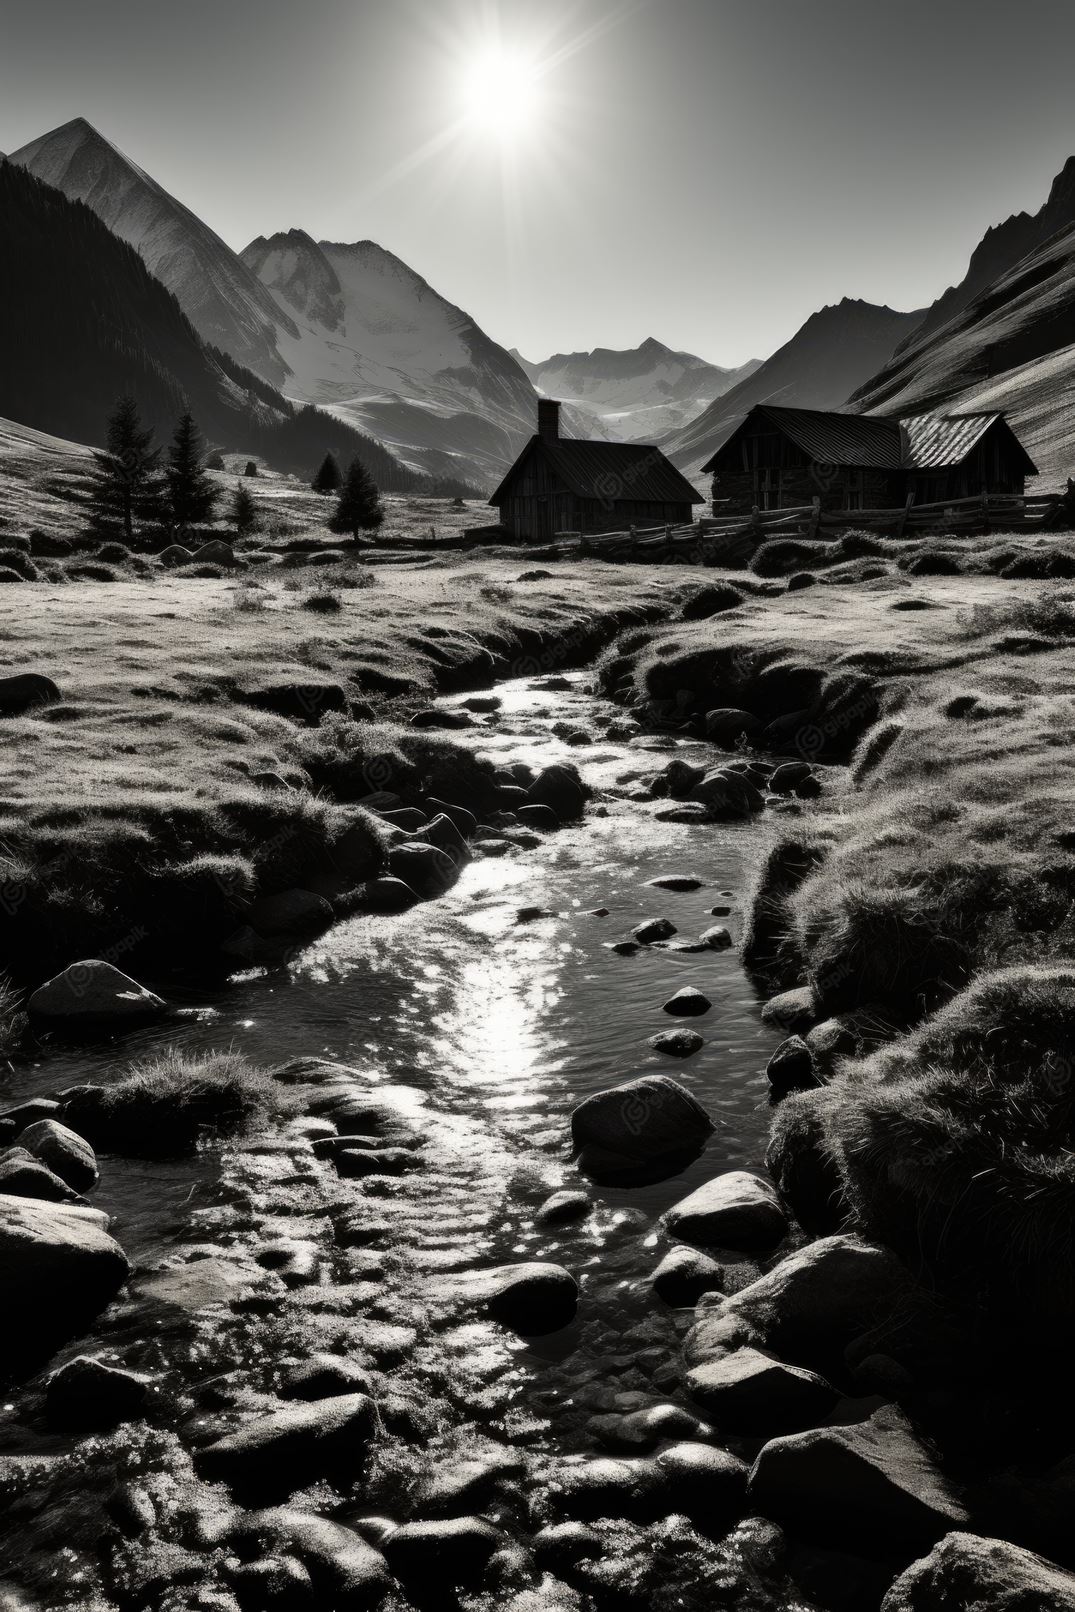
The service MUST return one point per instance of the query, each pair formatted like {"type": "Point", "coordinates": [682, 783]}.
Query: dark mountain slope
{"type": "Point", "coordinates": [82, 320]}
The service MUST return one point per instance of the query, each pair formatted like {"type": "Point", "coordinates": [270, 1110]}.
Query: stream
{"type": "Point", "coordinates": [501, 1027]}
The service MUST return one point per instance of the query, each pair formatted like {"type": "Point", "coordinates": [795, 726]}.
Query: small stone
{"type": "Point", "coordinates": [286, 1450]}
{"type": "Point", "coordinates": [598, 912]}
{"type": "Point", "coordinates": [530, 915]}
{"type": "Point", "coordinates": [644, 1429]}
{"type": "Point", "coordinates": [736, 1210]}
{"type": "Point", "coordinates": [66, 1154]}
{"type": "Point", "coordinates": [325, 1376]}
{"type": "Point", "coordinates": [677, 881]}
{"type": "Point", "coordinates": [716, 937]}
{"type": "Point", "coordinates": [791, 1067]}
{"type": "Point", "coordinates": [89, 1395]}
{"type": "Point", "coordinates": [562, 1208]}
{"type": "Point", "coordinates": [23, 1176]}
{"type": "Point", "coordinates": [704, 1482]}
{"type": "Point", "coordinates": [455, 1551]}
{"type": "Point", "coordinates": [751, 1392]}
{"type": "Point", "coordinates": [793, 1010]}
{"type": "Point", "coordinates": [93, 991]}
{"type": "Point", "coordinates": [624, 948]}
{"type": "Point", "coordinates": [684, 1274]}
{"type": "Point", "coordinates": [644, 1119]}
{"type": "Point", "coordinates": [688, 1003]}
{"type": "Point", "coordinates": [532, 1297]}
{"type": "Point", "coordinates": [565, 1543]}
{"type": "Point", "coordinates": [608, 1488]}
{"type": "Point", "coordinates": [653, 929]}
{"type": "Point", "coordinates": [677, 1043]}
{"type": "Point", "coordinates": [720, 911]}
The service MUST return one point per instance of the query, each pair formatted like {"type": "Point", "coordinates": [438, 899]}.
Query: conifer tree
{"type": "Point", "coordinates": [328, 478]}
{"type": "Point", "coordinates": [125, 485]}
{"type": "Point", "coordinates": [359, 508]}
{"type": "Point", "coordinates": [244, 511]}
{"type": "Point", "coordinates": [191, 494]}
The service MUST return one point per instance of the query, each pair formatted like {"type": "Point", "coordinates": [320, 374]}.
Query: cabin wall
{"type": "Point", "coordinates": [839, 488]}
{"type": "Point", "coordinates": [538, 517]}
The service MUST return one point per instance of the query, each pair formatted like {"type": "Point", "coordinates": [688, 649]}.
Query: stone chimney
{"type": "Point", "coordinates": [548, 419]}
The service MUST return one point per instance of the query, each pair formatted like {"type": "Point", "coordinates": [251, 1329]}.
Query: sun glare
{"type": "Point", "coordinates": [500, 93]}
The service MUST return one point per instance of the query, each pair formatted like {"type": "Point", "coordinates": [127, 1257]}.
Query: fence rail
{"type": "Point", "coordinates": [980, 514]}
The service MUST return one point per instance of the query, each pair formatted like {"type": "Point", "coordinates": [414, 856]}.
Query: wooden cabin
{"type": "Point", "coordinates": [779, 458]}
{"type": "Point", "coordinates": [560, 484]}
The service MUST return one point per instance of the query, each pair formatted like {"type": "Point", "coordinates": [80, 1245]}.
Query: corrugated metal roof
{"type": "Point", "coordinates": [834, 439]}
{"type": "Point", "coordinates": [938, 441]}
{"type": "Point", "coordinates": [879, 442]}
{"type": "Point", "coordinates": [611, 471]}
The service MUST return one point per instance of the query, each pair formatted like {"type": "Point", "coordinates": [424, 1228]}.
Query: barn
{"type": "Point", "coordinates": [561, 484]}
{"type": "Point", "coordinates": [778, 458]}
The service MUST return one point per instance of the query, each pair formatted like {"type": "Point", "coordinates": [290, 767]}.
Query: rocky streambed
{"type": "Point", "coordinates": [461, 1327]}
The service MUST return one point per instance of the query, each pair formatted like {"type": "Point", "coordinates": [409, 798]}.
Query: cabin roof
{"type": "Point", "coordinates": [879, 442]}
{"type": "Point", "coordinates": [614, 472]}
{"type": "Point", "coordinates": [830, 439]}
{"type": "Point", "coordinates": [939, 441]}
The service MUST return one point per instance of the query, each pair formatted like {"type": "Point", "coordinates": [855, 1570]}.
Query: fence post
{"type": "Point", "coordinates": [815, 518]}
{"type": "Point", "coordinates": [985, 511]}
{"type": "Point", "coordinates": [902, 522]}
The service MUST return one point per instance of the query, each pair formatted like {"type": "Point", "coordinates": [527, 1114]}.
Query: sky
{"type": "Point", "coordinates": [582, 173]}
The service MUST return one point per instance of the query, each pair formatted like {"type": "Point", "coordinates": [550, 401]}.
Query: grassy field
{"type": "Point", "coordinates": [212, 738]}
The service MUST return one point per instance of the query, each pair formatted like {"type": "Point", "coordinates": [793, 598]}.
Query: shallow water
{"type": "Point", "coordinates": [506, 1026]}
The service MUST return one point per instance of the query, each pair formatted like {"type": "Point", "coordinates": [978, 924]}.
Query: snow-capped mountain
{"type": "Point", "coordinates": [226, 304]}
{"type": "Point", "coordinates": [827, 358]}
{"type": "Point", "coordinates": [639, 393]}
{"type": "Point", "coordinates": [364, 335]}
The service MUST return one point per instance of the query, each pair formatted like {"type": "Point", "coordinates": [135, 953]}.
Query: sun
{"type": "Point", "coordinates": [499, 93]}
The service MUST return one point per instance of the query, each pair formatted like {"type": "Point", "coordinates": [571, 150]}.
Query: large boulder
{"type": "Point", "coordinates": [24, 691]}
{"type": "Point", "coordinates": [66, 1154]}
{"type": "Point", "coordinates": [704, 1483]}
{"type": "Point", "coordinates": [727, 725]}
{"type": "Point", "coordinates": [344, 1570]}
{"type": "Point", "coordinates": [809, 1307]}
{"type": "Point", "coordinates": [645, 1121]}
{"type": "Point", "coordinates": [873, 1480]}
{"type": "Point", "coordinates": [93, 991]}
{"type": "Point", "coordinates": [286, 1450]}
{"type": "Point", "coordinates": [532, 1297]}
{"type": "Point", "coordinates": [736, 1210]}
{"type": "Point", "coordinates": [561, 787]}
{"type": "Point", "coordinates": [986, 1575]}
{"type": "Point", "coordinates": [58, 1269]}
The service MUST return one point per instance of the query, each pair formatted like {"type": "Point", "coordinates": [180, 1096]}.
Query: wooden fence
{"type": "Point", "coordinates": [712, 535]}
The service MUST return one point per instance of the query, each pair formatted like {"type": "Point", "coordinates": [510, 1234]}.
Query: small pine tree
{"type": "Point", "coordinates": [191, 494]}
{"type": "Point", "coordinates": [251, 468]}
{"type": "Point", "coordinates": [328, 478]}
{"type": "Point", "coordinates": [244, 511]}
{"type": "Point", "coordinates": [359, 508]}
{"type": "Point", "coordinates": [125, 483]}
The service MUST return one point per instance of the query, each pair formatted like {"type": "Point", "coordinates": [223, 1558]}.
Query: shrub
{"type": "Point", "coordinates": [324, 601]}
{"type": "Point", "coordinates": [17, 560]}
{"type": "Point", "coordinates": [49, 545]}
{"type": "Point", "coordinates": [8, 575]}
{"type": "Point", "coordinates": [770, 948]}
{"type": "Point", "coordinates": [87, 571]}
{"type": "Point", "coordinates": [956, 1145]}
{"type": "Point", "coordinates": [710, 601]}
{"type": "Point", "coordinates": [114, 554]}
{"type": "Point", "coordinates": [169, 1103]}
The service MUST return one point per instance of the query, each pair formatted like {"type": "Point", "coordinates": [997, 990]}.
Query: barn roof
{"type": "Point", "coordinates": [610, 471]}
{"type": "Point", "coordinates": [879, 442]}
